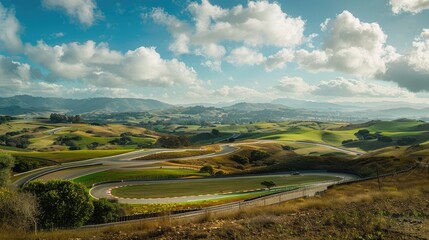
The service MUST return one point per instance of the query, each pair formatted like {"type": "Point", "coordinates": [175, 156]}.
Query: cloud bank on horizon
{"type": "Point", "coordinates": [214, 51]}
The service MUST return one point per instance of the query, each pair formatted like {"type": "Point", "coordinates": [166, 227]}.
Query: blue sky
{"type": "Point", "coordinates": [216, 51]}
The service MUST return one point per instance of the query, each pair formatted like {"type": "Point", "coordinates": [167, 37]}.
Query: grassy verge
{"type": "Point", "coordinates": [143, 174]}
{"type": "Point", "coordinates": [210, 186]}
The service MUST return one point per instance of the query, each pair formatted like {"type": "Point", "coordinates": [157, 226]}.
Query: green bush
{"type": "Point", "coordinates": [207, 169]}
{"type": "Point", "coordinates": [240, 159]}
{"type": "Point", "coordinates": [104, 211]}
{"type": "Point", "coordinates": [63, 204]}
{"type": "Point", "coordinates": [6, 165]}
{"type": "Point", "coordinates": [257, 155]}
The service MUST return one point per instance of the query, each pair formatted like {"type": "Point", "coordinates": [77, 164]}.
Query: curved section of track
{"type": "Point", "coordinates": [105, 190]}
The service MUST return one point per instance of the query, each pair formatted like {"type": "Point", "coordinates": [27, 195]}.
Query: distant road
{"type": "Point", "coordinates": [53, 131]}
{"type": "Point", "coordinates": [349, 151]}
{"type": "Point", "coordinates": [233, 136]}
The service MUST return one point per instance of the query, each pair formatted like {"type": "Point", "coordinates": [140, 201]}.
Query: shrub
{"type": "Point", "coordinates": [18, 210]}
{"type": "Point", "coordinates": [104, 211]}
{"type": "Point", "coordinates": [406, 141]}
{"type": "Point", "coordinates": [288, 148]}
{"type": "Point", "coordinates": [240, 159]}
{"type": "Point", "coordinates": [6, 164]}
{"type": "Point", "coordinates": [382, 138]}
{"type": "Point", "coordinates": [207, 169]}
{"type": "Point", "coordinates": [268, 184]}
{"type": "Point", "coordinates": [256, 155]}
{"type": "Point", "coordinates": [25, 165]}
{"type": "Point", "coordinates": [62, 203]}
{"type": "Point", "coordinates": [347, 141]}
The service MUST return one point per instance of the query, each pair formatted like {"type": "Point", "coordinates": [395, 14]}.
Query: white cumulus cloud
{"type": "Point", "coordinates": [351, 46]}
{"type": "Point", "coordinates": [85, 11]}
{"type": "Point", "coordinates": [412, 6]}
{"type": "Point", "coordinates": [245, 56]}
{"type": "Point", "coordinates": [412, 69]}
{"type": "Point", "coordinates": [279, 59]}
{"type": "Point", "coordinates": [419, 56]}
{"type": "Point", "coordinates": [259, 23]}
{"type": "Point", "coordinates": [294, 85]}
{"type": "Point", "coordinates": [341, 87]}
{"type": "Point", "coordinates": [9, 30]}
{"type": "Point", "coordinates": [98, 65]}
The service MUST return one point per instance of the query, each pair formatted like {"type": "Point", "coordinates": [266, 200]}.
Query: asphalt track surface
{"type": "Point", "coordinates": [104, 190]}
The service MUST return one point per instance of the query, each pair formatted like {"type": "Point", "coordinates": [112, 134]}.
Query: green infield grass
{"type": "Point", "coordinates": [212, 186]}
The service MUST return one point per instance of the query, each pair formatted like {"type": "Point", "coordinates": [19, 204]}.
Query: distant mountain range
{"type": "Point", "coordinates": [251, 107]}
{"type": "Point", "coordinates": [23, 104]}
{"type": "Point", "coordinates": [282, 108]}
{"type": "Point", "coordinates": [310, 105]}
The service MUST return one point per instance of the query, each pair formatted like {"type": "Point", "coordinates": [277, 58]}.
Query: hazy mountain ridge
{"type": "Point", "coordinates": [241, 112]}
{"type": "Point", "coordinates": [250, 107]}
{"type": "Point", "coordinates": [30, 104]}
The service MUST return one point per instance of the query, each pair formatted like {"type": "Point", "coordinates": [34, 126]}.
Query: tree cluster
{"type": "Point", "coordinates": [173, 142]}
{"type": "Point", "coordinates": [69, 141]}
{"type": "Point", "coordinates": [63, 118]}
{"type": "Point", "coordinates": [5, 119]}
{"type": "Point", "coordinates": [256, 157]}
{"type": "Point", "coordinates": [18, 142]}
{"type": "Point", "coordinates": [124, 140]}
{"type": "Point", "coordinates": [66, 204]}
{"type": "Point", "coordinates": [208, 169]}
{"type": "Point", "coordinates": [22, 165]}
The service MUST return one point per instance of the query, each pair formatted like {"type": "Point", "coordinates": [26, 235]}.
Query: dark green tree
{"type": "Point", "coordinates": [207, 169]}
{"type": "Point", "coordinates": [62, 203]}
{"type": "Point", "coordinates": [268, 184]}
{"type": "Point", "coordinates": [6, 165]}
{"type": "Point", "coordinates": [215, 132]}
{"type": "Point", "coordinates": [257, 155]}
{"type": "Point", "coordinates": [104, 211]}
{"type": "Point", "coordinates": [240, 159]}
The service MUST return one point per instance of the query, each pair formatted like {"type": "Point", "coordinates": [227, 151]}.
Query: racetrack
{"type": "Point", "coordinates": [129, 159]}
{"type": "Point", "coordinates": [105, 190]}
